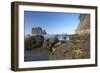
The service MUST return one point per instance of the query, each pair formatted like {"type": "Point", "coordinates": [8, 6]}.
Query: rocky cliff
{"type": "Point", "coordinates": [84, 25]}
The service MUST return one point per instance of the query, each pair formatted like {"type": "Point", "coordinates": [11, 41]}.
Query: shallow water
{"type": "Point", "coordinates": [36, 56]}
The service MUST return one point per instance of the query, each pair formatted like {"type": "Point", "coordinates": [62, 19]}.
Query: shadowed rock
{"type": "Point", "coordinates": [34, 42]}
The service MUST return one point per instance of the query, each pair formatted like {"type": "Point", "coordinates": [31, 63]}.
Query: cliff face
{"type": "Point", "coordinates": [38, 31]}
{"type": "Point", "coordinates": [84, 25]}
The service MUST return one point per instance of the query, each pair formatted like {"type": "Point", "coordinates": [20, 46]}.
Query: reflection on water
{"type": "Point", "coordinates": [35, 56]}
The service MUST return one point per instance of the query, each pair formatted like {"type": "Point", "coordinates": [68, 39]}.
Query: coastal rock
{"type": "Point", "coordinates": [84, 25]}
{"type": "Point", "coordinates": [38, 31]}
{"type": "Point", "coordinates": [34, 42]}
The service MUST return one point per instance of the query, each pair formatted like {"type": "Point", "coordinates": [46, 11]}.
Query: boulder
{"type": "Point", "coordinates": [34, 42]}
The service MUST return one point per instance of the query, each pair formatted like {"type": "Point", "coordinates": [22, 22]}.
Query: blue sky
{"type": "Point", "coordinates": [52, 22]}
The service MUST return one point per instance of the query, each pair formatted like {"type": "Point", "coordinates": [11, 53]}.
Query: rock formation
{"type": "Point", "coordinates": [34, 42]}
{"type": "Point", "coordinates": [84, 25]}
{"type": "Point", "coordinates": [38, 31]}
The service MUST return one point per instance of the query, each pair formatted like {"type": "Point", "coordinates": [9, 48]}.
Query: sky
{"type": "Point", "coordinates": [52, 22]}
